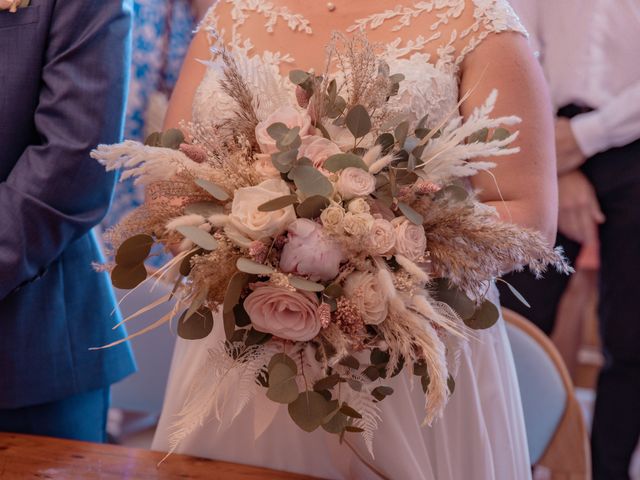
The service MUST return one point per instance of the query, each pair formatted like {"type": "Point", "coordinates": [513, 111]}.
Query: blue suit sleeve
{"type": "Point", "coordinates": [56, 193]}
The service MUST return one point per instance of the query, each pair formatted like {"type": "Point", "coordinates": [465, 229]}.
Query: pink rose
{"type": "Point", "coordinates": [382, 237]}
{"type": "Point", "coordinates": [287, 314]}
{"type": "Point", "coordinates": [318, 149]}
{"type": "Point", "coordinates": [355, 182]}
{"type": "Point", "coordinates": [288, 115]}
{"type": "Point", "coordinates": [410, 238]}
{"type": "Point", "coordinates": [310, 252]}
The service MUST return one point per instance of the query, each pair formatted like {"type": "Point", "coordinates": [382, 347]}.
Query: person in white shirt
{"type": "Point", "coordinates": [590, 52]}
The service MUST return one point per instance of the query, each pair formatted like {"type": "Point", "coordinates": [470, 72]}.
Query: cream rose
{"type": "Point", "coordinates": [410, 238]}
{"type": "Point", "coordinates": [382, 237]}
{"type": "Point", "coordinates": [264, 166]}
{"type": "Point", "coordinates": [332, 218]}
{"type": "Point", "coordinates": [355, 182]}
{"type": "Point", "coordinates": [291, 117]}
{"type": "Point", "coordinates": [246, 218]}
{"type": "Point", "coordinates": [317, 149]}
{"type": "Point", "coordinates": [287, 314]}
{"type": "Point", "coordinates": [363, 289]}
{"type": "Point", "coordinates": [358, 205]}
{"type": "Point", "coordinates": [357, 224]}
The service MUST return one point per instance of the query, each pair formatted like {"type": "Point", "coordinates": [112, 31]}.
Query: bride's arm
{"type": "Point", "coordinates": [527, 181]}
{"type": "Point", "coordinates": [191, 75]}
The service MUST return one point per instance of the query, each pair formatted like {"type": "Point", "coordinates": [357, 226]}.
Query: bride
{"type": "Point", "coordinates": [447, 49]}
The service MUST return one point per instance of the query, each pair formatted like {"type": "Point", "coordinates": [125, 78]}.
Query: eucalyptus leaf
{"type": "Point", "coordinates": [349, 411]}
{"type": "Point", "coordinates": [386, 141]}
{"type": "Point", "coordinates": [298, 77]}
{"type": "Point", "coordinates": [451, 383]}
{"type": "Point", "coordinates": [216, 191]}
{"type": "Point", "coordinates": [277, 130]}
{"type": "Point", "coordinates": [484, 317]}
{"type": "Point", "coordinates": [337, 423]}
{"type": "Point", "coordinates": [256, 337]}
{"type": "Point", "coordinates": [283, 358]}
{"type": "Point", "coordinates": [500, 134]}
{"type": "Point", "coordinates": [204, 209]}
{"type": "Point", "coordinates": [283, 161]}
{"type": "Point", "coordinates": [282, 384]}
{"type": "Point", "coordinates": [372, 373]}
{"type": "Point", "coordinates": [352, 429]}
{"type": "Point", "coordinates": [454, 192]}
{"type": "Point", "coordinates": [425, 381]}
{"type": "Point", "coordinates": [197, 326]}
{"type": "Point", "coordinates": [479, 137]}
{"type": "Point", "coordinates": [455, 298]}
{"type": "Point", "coordinates": [278, 203]}
{"type": "Point", "coordinates": [172, 138]}
{"type": "Point", "coordinates": [379, 393]}
{"type": "Point", "coordinates": [290, 141]}
{"type": "Point", "coordinates": [358, 121]}
{"type": "Point", "coordinates": [420, 369]}
{"type": "Point", "coordinates": [515, 293]}
{"type": "Point", "coordinates": [154, 139]}
{"type": "Point", "coordinates": [185, 265]}
{"type": "Point", "coordinates": [241, 316]}
{"type": "Point", "coordinates": [327, 383]}
{"type": "Point", "coordinates": [134, 250]}
{"type": "Point", "coordinates": [337, 107]}
{"type": "Point", "coordinates": [128, 278]}
{"type": "Point", "coordinates": [413, 216]}
{"type": "Point", "coordinates": [236, 285]}
{"type": "Point", "coordinates": [396, 78]}
{"type": "Point", "coordinates": [341, 161]}
{"type": "Point", "coordinates": [312, 207]}
{"type": "Point", "coordinates": [249, 266]}
{"type": "Point", "coordinates": [334, 290]}
{"type": "Point", "coordinates": [401, 132]}
{"type": "Point", "coordinates": [311, 181]}
{"type": "Point", "coordinates": [350, 362]}
{"type": "Point", "coordinates": [304, 284]}
{"type": "Point", "coordinates": [309, 410]}
{"type": "Point", "coordinates": [198, 236]}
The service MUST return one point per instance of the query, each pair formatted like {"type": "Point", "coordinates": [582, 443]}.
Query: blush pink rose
{"type": "Point", "coordinates": [355, 182]}
{"type": "Point", "coordinates": [318, 149]}
{"type": "Point", "coordinates": [284, 313]}
{"type": "Point", "coordinates": [410, 238]}
{"type": "Point", "coordinates": [310, 252]}
{"type": "Point", "coordinates": [288, 115]}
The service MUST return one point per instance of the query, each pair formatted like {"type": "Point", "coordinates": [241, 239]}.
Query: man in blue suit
{"type": "Point", "coordinates": [63, 76]}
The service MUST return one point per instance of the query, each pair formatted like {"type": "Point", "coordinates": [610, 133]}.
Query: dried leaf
{"type": "Point", "coordinates": [216, 191]}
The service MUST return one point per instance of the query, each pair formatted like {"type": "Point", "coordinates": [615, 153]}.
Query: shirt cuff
{"type": "Point", "coordinates": [590, 133]}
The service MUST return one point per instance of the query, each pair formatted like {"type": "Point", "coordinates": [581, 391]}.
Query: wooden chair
{"type": "Point", "coordinates": [558, 439]}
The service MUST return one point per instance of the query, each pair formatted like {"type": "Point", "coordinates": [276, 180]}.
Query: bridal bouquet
{"type": "Point", "coordinates": [331, 237]}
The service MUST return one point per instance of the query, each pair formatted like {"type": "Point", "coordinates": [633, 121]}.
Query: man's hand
{"type": "Point", "coordinates": [568, 151]}
{"type": "Point", "coordinates": [580, 212]}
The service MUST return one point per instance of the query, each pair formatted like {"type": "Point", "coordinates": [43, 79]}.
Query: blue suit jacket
{"type": "Point", "coordinates": [63, 77]}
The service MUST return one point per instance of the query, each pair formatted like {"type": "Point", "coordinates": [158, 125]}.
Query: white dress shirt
{"type": "Point", "coordinates": [590, 52]}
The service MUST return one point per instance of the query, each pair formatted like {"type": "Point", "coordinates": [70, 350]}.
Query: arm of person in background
{"type": "Point", "coordinates": [55, 193]}
{"type": "Point", "coordinates": [614, 125]}
{"type": "Point", "coordinates": [526, 190]}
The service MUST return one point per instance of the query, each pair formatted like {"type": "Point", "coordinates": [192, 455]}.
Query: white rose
{"type": "Point", "coordinates": [246, 218]}
{"type": "Point", "coordinates": [355, 182]}
{"type": "Point", "coordinates": [288, 115]}
{"type": "Point", "coordinates": [410, 238]}
{"type": "Point", "coordinates": [357, 224]}
{"type": "Point", "coordinates": [382, 237]}
{"type": "Point", "coordinates": [332, 218]}
{"type": "Point", "coordinates": [358, 205]}
{"type": "Point", "coordinates": [363, 289]}
{"type": "Point", "coordinates": [317, 149]}
{"type": "Point", "coordinates": [264, 166]}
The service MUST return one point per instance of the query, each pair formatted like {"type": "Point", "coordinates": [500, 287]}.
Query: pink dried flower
{"type": "Point", "coordinates": [280, 242]}
{"type": "Point", "coordinates": [194, 152]}
{"type": "Point", "coordinates": [324, 314]}
{"type": "Point", "coordinates": [348, 317]}
{"type": "Point", "coordinates": [258, 251]}
{"type": "Point", "coordinates": [302, 96]}
{"type": "Point", "coordinates": [424, 187]}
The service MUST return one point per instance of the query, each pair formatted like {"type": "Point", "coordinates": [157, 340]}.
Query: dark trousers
{"type": "Point", "coordinates": [80, 417]}
{"type": "Point", "coordinates": [615, 175]}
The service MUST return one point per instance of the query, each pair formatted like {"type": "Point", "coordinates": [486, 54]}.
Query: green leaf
{"type": "Point", "coordinates": [185, 265]}
{"type": "Point", "coordinates": [372, 373]}
{"type": "Point", "coordinates": [352, 429]}
{"type": "Point", "coordinates": [350, 362]}
{"type": "Point", "coordinates": [515, 292]}
{"type": "Point", "coordinates": [349, 411]}
{"type": "Point", "coordinates": [134, 251]}
{"type": "Point", "coordinates": [283, 358]}
{"type": "Point", "coordinates": [484, 317]}
{"type": "Point", "coordinates": [283, 161]}
{"type": "Point", "coordinates": [334, 290]}
{"type": "Point", "coordinates": [278, 203]}
{"type": "Point", "coordinates": [420, 369]}
{"type": "Point", "coordinates": [341, 161]}
{"type": "Point", "coordinates": [379, 393]}
{"type": "Point", "coordinates": [425, 381]}
{"type": "Point", "coordinates": [396, 78]}
{"type": "Point", "coordinates": [198, 236]}
{"type": "Point", "coordinates": [256, 337]}
{"type": "Point", "coordinates": [216, 191]}
{"type": "Point", "coordinates": [309, 410]}
{"type": "Point", "coordinates": [253, 268]}
{"type": "Point", "coordinates": [379, 358]}
{"type": "Point", "coordinates": [204, 209]}
{"type": "Point", "coordinates": [128, 278]}
{"type": "Point", "coordinates": [290, 141]}
{"type": "Point", "coordinates": [311, 181]}
{"type": "Point", "coordinates": [327, 383]}
{"type": "Point", "coordinates": [312, 207]}
{"type": "Point", "coordinates": [197, 326]}
{"type": "Point", "coordinates": [337, 107]}
{"type": "Point", "coordinates": [455, 298]}
{"type": "Point", "coordinates": [337, 423]}
{"type": "Point", "coordinates": [304, 284]}
{"type": "Point", "coordinates": [479, 137]}
{"type": "Point", "coordinates": [282, 384]}
{"type": "Point", "coordinates": [298, 77]}
{"type": "Point", "coordinates": [358, 121]}
{"type": "Point", "coordinates": [401, 132]}
{"type": "Point", "coordinates": [236, 285]}
{"type": "Point", "coordinates": [154, 140]}
{"type": "Point", "coordinates": [277, 130]}
{"type": "Point", "coordinates": [241, 316]}
{"type": "Point", "coordinates": [500, 134]}
{"type": "Point", "coordinates": [413, 216]}
{"type": "Point", "coordinates": [451, 383]}
{"type": "Point", "coordinates": [172, 138]}
{"type": "Point", "coordinates": [386, 141]}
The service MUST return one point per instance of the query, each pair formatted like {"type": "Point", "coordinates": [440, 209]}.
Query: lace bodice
{"type": "Point", "coordinates": [426, 41]}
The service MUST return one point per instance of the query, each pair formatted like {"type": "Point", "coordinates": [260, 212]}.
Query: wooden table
{"type": "Point", "coordinates": [30, 457]}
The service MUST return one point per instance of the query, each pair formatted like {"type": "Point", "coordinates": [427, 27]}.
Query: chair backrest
{"type": "Point", "coordinates": [556, 432]}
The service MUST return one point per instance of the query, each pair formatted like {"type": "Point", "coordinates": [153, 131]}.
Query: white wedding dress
{"type": "Point", "coordinates": [481, 435]}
